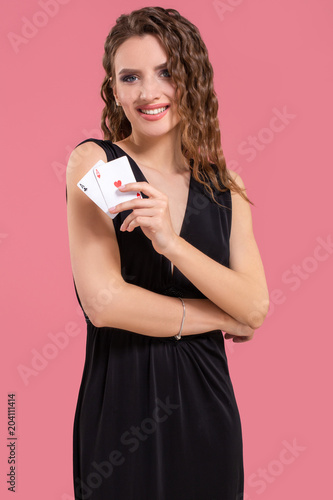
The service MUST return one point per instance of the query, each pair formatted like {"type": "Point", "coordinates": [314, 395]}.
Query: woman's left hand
{"type": "Point", "coordinates": [151, 214]}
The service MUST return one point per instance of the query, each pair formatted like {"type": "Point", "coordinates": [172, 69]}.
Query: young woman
{"type": "Point", "coordinates": [156, 416]}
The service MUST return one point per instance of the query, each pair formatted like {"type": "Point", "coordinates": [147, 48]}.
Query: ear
{"type": "Point", "coordinates": [114, 90]}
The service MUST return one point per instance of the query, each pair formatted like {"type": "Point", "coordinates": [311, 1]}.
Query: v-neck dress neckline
{"type": "Point", "coordinates": [206, 226]}
{"type": "Point", "coordinates": [142, 175]}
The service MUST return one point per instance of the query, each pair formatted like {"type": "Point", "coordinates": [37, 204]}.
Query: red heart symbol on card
{"type": "Point", "coordinates": [97, 173]}
{"type": "Point", "coordinates": [138, 195]}
{"type": "Point", "coordinates": [117, 184]}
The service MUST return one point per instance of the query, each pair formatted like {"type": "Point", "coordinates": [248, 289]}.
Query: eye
{"type": "Point", "coordinates": [165, 73]}
{"type": "Point", "coordinates": [128, 78]}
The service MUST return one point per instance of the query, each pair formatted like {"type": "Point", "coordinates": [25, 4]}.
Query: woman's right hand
{"type": "Point", "coordinates": [152, 214]}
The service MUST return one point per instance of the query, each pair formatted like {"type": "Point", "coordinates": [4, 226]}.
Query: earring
{"type": "Point", "coordinates": [118, 103]}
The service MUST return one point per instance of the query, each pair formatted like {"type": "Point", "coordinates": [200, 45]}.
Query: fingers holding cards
{"type": "Point", "coordinates": [113, 184]}
{"type": "Point", "coordinates": [110, 177]}
{"type": "Point", "coordinates": [151, 214]}
{"type": "Point", "coordinates": [156, 204]}
{"type": "Point", "coordinates": [101, 184]}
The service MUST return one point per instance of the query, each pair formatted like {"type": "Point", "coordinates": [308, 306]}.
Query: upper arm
{"type": "Point", "coordinates": [244, 253]}
{"type": "Point", "coordinates": [93, 245]}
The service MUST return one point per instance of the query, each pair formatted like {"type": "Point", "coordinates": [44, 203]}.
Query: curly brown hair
{"type": "Point", "coordinates": [192, 73]}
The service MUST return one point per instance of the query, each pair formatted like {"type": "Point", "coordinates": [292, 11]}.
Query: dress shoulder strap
{"type": "Point", "coordinates": [106, 145]}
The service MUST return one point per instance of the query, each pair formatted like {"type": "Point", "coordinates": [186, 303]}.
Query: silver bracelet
{"type": "Point", "coordinates": [178, 336]}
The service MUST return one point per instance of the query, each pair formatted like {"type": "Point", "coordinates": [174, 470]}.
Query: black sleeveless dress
{"type": "Point", "coordinates": [156, 417]}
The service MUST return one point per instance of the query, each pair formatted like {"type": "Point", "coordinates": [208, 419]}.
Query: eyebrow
{"type": "Point", "coordinates": [131, 70]}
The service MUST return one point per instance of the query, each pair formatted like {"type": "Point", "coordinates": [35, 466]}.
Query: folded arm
{"type": "Point", "coordinates": [106, 298]}
{"type": "Point", "coordinates": [239, 290]}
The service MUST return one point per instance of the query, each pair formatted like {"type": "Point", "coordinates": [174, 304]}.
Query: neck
{"type": "Point", "coordinates": [161, 153]}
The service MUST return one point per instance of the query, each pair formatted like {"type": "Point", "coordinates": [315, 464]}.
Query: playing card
{"type": "Point", "coordinates": [90, 187]}
{"type": "Point", "coordinates": [110, 176]}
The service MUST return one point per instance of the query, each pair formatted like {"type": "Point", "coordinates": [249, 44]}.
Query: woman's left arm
{"type": "Point", "coordinates": [241, 289]}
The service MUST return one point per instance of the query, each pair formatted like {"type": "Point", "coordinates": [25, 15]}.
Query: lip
{"type": "Point", "coordinates": [152, 118]}
{"type": "Point", "coordinates": [154, 106]}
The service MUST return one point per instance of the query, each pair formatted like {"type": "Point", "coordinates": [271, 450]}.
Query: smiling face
{"type": "Point", "coordinates": [144, 87]}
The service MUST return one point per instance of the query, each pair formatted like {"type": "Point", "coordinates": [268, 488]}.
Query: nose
{"type": "Point", "coordinates": [150, 89]}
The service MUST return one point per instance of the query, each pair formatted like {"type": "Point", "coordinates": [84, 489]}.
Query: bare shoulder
{"type": "Point", "coordinates": [237, 178]}
{"type": "Point", "coordinates": [82, 158]}
{"type": "Point", "coordinates": [241, 226]}
{"type": "Point", "coordinates": [238, 202]}
{"type": "Point", "coordinates": [244, 253]}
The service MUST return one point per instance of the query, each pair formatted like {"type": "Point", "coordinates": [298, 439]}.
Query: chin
{"type": "Point", "coordinates": [156, 129]}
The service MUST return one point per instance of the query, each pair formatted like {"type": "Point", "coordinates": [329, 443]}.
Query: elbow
{"type": "Point", "coordinates": [106, 317]}
{"type": "Point", "coordinates": [109, 307]}
{"type": "Point", "coordinates": [104, 308]}
{"type": "Point", "coordinates": [256, 322]}
{"type": "Point", "coordinates": [96, 321]}
{"type": "Point", "coordinates": [93, 316]}
{"type": "Point", "coordinates": [258, 314]}
{"type": "Point", "coordinates": [93, 313]}
{"type": "Point", "coordinates": [101, 318]}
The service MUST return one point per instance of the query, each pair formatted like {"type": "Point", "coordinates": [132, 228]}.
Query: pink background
{"type": "Point", "coordinates": [270, 57]}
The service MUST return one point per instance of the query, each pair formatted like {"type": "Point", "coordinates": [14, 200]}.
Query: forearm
{"type": "Point", "coordinates": [136, 309]}
{"type": "Point", "coordinates": [231, 291]}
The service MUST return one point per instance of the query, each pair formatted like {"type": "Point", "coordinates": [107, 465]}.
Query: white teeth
{"type": "Point", "coordinates": [153, 111]}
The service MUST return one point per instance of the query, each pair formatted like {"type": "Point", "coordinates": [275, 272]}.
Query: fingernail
{"type": "Point", "coordinates": [111, 209]}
